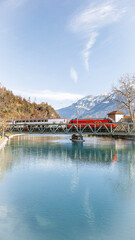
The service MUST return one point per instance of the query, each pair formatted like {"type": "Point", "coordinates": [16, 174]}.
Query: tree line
{"type": "Point", "coordinates": [16, 107]}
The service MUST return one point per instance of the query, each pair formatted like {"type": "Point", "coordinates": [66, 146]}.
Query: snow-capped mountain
{"type": "Point", "coordinates": [92, 106]}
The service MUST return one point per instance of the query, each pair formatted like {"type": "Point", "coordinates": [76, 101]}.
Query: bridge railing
{"type": "Point", "coordinates": [121, 128]}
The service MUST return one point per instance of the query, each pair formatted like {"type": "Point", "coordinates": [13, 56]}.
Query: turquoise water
{"type": "Point", "coordinates": [52, 189]}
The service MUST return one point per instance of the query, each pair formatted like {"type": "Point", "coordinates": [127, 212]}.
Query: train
{"type": "Point", "coordinates": [65, 122]}
{"type": "Point", "coordinates": [41, 121]}
{"type": "Point", "coordinates": [50, 122]}
{"type": "Point", "coordinates": [92, 122]}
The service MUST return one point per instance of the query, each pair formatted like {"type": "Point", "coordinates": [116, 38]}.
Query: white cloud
{"type": "Point", "coordinates": [73, 75]}
{"type": "Point", "coordinates": [89, 21]}
{"type": "Point", "coordinates": [50, 95]}
{"type": "Point", "coordinates": [96, 17]}
{"type": "Point", "coordinates": [86, 51]}
{"type": "Point", "coordinates": [56, 99]}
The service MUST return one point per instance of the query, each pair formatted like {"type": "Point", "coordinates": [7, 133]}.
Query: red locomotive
{"type": "Point", "coordinates": [92, 122]}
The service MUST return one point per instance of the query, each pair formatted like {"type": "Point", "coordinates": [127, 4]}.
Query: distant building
{"type": "Point", "coordinates": [126, 118]}
{"type": "Point", "coordinates": [116, 115]}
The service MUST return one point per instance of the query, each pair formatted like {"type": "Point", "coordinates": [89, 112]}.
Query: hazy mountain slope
{"type": "Point", "coordinates": [15, 107]}
{"type": "Point", "coordinates": [93, 106]}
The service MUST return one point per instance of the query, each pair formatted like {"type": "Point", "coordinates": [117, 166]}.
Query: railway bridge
{"type": "Point", "coordinates": [121, 129]}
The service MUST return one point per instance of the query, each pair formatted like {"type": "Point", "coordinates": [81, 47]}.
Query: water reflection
{"type": "Point", "coordinates": [38, 149]}
{"type": "Point", "coordinates": [45, 147]}
{"type": "Point", "coordinates": [55, 152]}
{"type": "Point", "coordinates": [51, 188]}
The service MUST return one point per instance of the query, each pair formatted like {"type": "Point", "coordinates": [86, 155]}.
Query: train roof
{"type": "Point", "coordinates": [91, 118]}
{"type": "Point", "coordinates": [38, 119]}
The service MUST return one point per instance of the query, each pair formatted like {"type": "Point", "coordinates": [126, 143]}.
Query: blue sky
{"type": "Point", "coordinates": [58, 51]}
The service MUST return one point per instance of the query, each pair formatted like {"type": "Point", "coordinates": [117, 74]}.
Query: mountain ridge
{"type": "Point", "coordinates": [92, 106]}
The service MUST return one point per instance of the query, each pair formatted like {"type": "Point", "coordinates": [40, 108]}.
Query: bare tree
{"type": "Point", "coordinates": [4, 125]}
{"type": "Point", "coordinates": [125, 94]}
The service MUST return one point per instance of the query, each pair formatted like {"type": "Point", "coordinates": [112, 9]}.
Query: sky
{"type": "Point", "coordinates": [60, 51]}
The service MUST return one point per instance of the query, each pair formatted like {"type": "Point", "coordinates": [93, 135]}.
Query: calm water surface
{"type": "Point", "coordinates": [52, 189]}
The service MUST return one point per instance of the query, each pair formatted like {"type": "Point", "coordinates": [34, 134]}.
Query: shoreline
{"type": "Point", "coordinates": [4, 140]}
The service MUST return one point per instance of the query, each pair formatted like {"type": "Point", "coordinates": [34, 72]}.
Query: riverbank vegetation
{"type": "Point", "coordinates": [16, 107]}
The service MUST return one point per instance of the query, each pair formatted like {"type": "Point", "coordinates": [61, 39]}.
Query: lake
{"type": "Point", "coordinates": [53, 189]}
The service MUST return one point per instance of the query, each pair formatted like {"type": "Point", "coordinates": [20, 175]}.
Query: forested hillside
{"type": "Point", "coordinates": [16, 107]}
